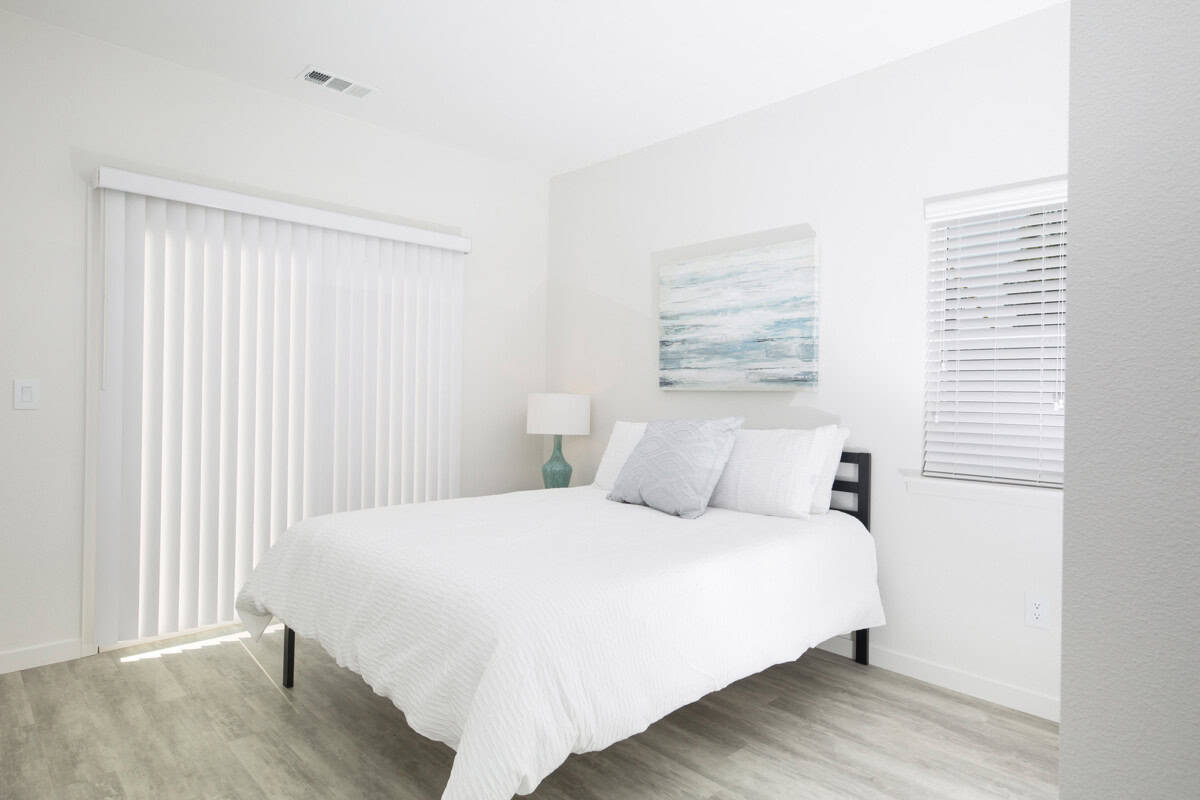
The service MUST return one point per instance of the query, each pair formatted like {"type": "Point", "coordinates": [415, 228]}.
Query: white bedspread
{"type": "Point", "coordinates": [519, 628]}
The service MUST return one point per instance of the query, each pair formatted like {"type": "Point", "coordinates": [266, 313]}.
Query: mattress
{"type": "Point", "coordinates": [520, 628]}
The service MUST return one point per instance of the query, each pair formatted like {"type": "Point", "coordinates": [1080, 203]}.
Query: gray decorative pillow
{"type": "Point", "coordinates": [676, 465]}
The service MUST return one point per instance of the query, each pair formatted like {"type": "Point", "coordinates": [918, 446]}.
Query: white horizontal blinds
{"type": "Point", "coordinates": [995, 376]}
{"type": "Point", "coordinates": [256, 372]}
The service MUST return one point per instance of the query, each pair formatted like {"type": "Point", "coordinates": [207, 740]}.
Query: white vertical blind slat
{"type": "Point", "coordinates": [383, 382]}
{"type": "Point", "coordinates": [408, 415]}
{"type": "Point", "coordinates": [354, 389]}
{"type": "Point", "coordinates": [230, 378]}
{"type": "Point", "coordinates": [997, 325]}
{"type": "Point", "coordinates": [280, 383]}
{"type": "Point", "coordinates": [395, 374]}
{"type": "Point", "coordinates": [296, 368]}
{"type": "Point", "coordinates": [312, 383]}
{"type": "Point", "coordinates": [370, 364]}
{"type": "Point", "coordinates": [170, 514]}
{"type": "Point", "coordinates": [455, 365]}
{"type": "Point", "coordinates": [423, 383]}
{"type": "Point", "coordinates": [256, 372]}
{"type": "Point", "coordinates": [264, 367]}
{"type": "Point", "coordinates": [439, 355]}
{"type": "Point", "coordinates": [129, 541]}
{"type": "Point", "coordinates": [210, 417]}
{"type": "Point", "coordinates": [247, 391]}
{"type": "Point", "coordinates": [110, 505]}
{"type": "Point", "coordinates": [321, 387]}
{"type": "Point", "coordinates": [339, 277]}
{"type": "Point", "coordinates": [434, 379]}
{"type": "Point", "coordinates": [442, 359]}
{"type": "Point", "coordinates": [190, 417]}
{"type": "Point", "coordinates": [151, 420]}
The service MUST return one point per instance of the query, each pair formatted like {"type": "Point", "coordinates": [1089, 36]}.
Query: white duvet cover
{"type": "Point", "coordinates": [520, 628]}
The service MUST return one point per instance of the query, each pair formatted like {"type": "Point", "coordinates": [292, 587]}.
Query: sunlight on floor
{"type": "Point", "coordinates": [176, 649]}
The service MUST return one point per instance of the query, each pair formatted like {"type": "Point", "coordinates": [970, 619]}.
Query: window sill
{"type": "Point", "coordinates": [1029, 496]}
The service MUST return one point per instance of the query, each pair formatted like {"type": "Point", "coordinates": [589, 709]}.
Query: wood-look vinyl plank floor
{"type": "Point", "coordinates": [212, 722]}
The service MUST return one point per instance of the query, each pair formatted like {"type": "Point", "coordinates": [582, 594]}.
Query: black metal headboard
{"type": "Point", "coordinates": [859, 486]}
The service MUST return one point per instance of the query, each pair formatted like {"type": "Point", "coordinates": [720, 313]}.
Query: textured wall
{"type": "Point", "coordinates": [1131, 628]}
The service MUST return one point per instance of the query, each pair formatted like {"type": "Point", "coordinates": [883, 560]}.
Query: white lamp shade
{"type": "Point", "coordinates": [566, 414]}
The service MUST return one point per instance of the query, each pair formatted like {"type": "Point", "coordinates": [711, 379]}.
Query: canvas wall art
{"type": "Point", "coordinates": [742, 318]}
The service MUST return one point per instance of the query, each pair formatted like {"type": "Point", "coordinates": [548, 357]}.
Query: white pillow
{"type": "Point", "coordinates": [622, 440]}
{"type": "Point", "coordinates": [823, 493]}
{"type": "Point", "coordinates": [774, 472]}
{"type": "Point", "coordinates": [676, 465]}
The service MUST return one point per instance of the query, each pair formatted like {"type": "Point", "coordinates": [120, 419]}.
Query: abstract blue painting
{"type": "Point", "coordinates": [740, 319]}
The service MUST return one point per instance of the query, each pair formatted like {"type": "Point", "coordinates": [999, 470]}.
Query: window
{"type": "Point", "coordinates": [262, 363]}
{"type": "Point", "coordinates": [994, 393]}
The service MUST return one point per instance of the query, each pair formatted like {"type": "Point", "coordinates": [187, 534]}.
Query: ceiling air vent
{"type": "Point", "coordinates": [334, 82]}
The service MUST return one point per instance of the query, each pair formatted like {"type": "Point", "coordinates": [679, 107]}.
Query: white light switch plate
{"type": "Point", "coordinates": [27, 393]}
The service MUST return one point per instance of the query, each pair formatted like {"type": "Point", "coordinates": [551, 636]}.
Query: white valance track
{"type": "Point", "coordinates": [258, 370]}
{"type": "Point", "coordinates": [207, 196]}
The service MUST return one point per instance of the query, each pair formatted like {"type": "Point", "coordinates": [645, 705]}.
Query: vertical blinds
{"type": "Point", "coordinates": [995, 370]}
{"type": "Point", "coordinates": [256, 372]}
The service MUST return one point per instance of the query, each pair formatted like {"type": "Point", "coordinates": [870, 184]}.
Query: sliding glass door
{"type": "Point", "coordinates": [256, 371]}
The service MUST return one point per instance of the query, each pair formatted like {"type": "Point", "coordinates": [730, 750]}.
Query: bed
{"type": "Point", "coordinates": [523, 627]}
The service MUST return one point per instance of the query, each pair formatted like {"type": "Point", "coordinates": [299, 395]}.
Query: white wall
{"type": "Point", "coordinates": [855, 160]}
{"type": "Point", "coordinates": [72, 103]}
{"type": "Point", "coordinates": [1131, 695]}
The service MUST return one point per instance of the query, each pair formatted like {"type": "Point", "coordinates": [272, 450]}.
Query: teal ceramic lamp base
{"type": "Point", "coordinates": [556, 473]}
{"type": "Point", "coordinates": [555, 414]}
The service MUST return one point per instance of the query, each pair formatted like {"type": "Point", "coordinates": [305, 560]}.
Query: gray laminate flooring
{"type": "Point", "coordinates": [209, 722]}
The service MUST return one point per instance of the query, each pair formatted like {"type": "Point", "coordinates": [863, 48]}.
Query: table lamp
{"type": "Point", "coordinates": [558, 415]}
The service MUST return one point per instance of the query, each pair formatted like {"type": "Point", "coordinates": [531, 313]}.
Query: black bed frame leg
{"type": "Point", "coordinates": [862, 646]}
{"type": "Point", "coordinates": [289, 657]}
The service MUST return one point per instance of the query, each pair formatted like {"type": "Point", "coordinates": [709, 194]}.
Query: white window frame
{"type": "Point", "coordinates": [941, 213]}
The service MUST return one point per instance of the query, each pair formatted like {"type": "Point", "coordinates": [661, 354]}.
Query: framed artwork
{"type": "Point", "coordinates": [739, 314]}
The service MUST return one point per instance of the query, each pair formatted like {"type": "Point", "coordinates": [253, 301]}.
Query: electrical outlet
{"type": "Point", "coordinates": [1037, 611]}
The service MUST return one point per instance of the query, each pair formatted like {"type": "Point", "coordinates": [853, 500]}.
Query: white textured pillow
{"type": "Point", "coordinates": [823, 494]}
{"type": "Point", "coordinates": [622, 440]}
{"type": "Point", "coordinates": [774, 472]}
{"type": "Point", "coordinates": [676, 465]}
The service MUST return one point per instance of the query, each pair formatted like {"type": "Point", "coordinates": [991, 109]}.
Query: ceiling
{"type": "Point", "coordinates": [557, 84]}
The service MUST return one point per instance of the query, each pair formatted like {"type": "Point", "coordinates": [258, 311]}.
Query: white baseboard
{"type": "Point", "coordinates": [1005, 694]}
{"type": "Point", "coordinates": [839, 645]}
{"type": "Point", "coordinates": [39, 655]}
